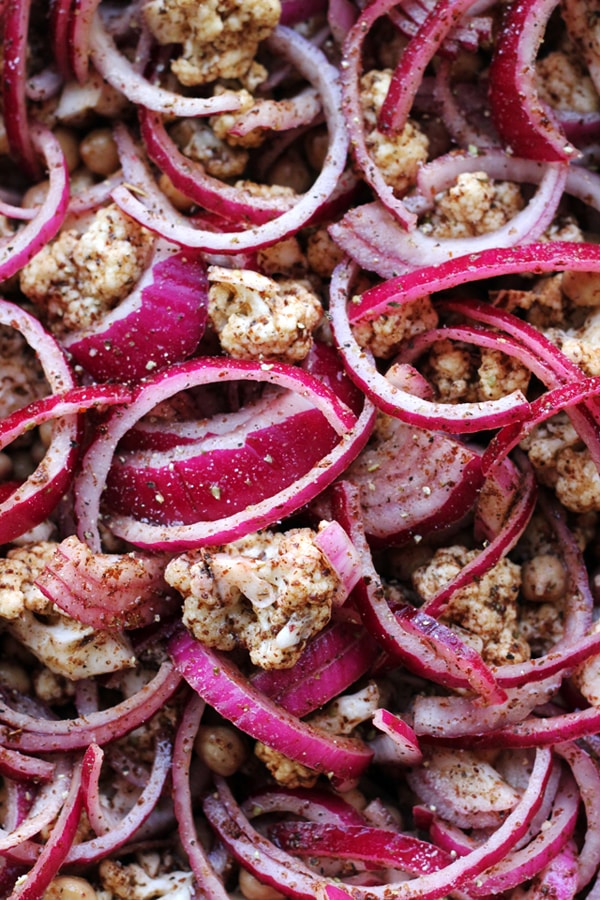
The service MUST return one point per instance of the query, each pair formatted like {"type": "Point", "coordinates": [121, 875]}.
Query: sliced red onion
{"type": "Point", "coordinates": [97, 461]}
{"type": "Point", "coordinates": [81, 18]}
{"type": "Point", "coordinates": [339, 551]}
{"type": "Point", "coordinates": [221, 684]}
{"type": "Point", "coordinates": [258, 855]}
{"type": "Point", "coordinates": [116, 69]}
{"type": "Point", "coordinates": [453, 418]}
{"type": "Point", "coordinates": [410, 636]}
{"type": "Point", "coordinates": [373, 226]}
{"type": "Point", "coordinates": [528, 127]}
{"type": "Point", "coordinates": [231, 202]}
{"type": "Point", "coordinates": [14, 97]}
{"type": "Point", "coordinates": [587, 775]}
{"type": "Point", "coordinates": [314, 804]}
{"type": "Point", "coordinates": [519, 866]}
{"type": "Point", "coordinates": [56, 848]}
{"type": "Point", "coordinates": [466, 868]}
{"type": "Point", "coordinates": [329, 664]}
{"type": "Point", "coordinates": [28, 733]}
{"type": "Point", "coordinates": [212, 887]}
{"type": "Point", "coordinates": [535, 258]}
{"type": "Point", "coordinates": [375, 847]}
{"type": "Point", "coordinates": [152, 211]}
{"type": "Point", "coordinates": [18, 249]}
{"type": "Point", "coordinates": [405, 740]}
{"type": "Point", "coordinates": [412, 482]}
{"type": "Point", "coordinates": [32, 501]}
{"type": "Point", "coordinates": [19, 767]}
{"type": "Point", "coordinates": [350, 76]}
{"type": "Point", "coordinates": [161, 321]}
{"type": "Point", "coordinates": [107, 591]}
{"type": "Point", "coordinates": [60, 17]}
{"type": "Point", "coordinates": [43, 810]}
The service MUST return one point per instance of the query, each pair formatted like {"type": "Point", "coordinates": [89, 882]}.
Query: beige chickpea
{"type": "Point", "coordinates": [290, 170]}
{"type": "Point", "coordinates": [69, 887]}
{"type": "Point", "coordinates": [221, 748]}
{"type": "Point", "coordinates": [99, 152]}
{"type": "Point", "coordinates": [67, 139]}
{"type": "Point", "coordinates": [35, 195]}
{"type": "Point", "coordinates": [179, 200]}
{"type": "Point", "coordinates": [14, 676]}
{"type": "Point", "coordinates": [543, 579]}
{"type": "Point", "coordinates": [253, 889]}
{"type": "Point", "coordinates": [6, 466]}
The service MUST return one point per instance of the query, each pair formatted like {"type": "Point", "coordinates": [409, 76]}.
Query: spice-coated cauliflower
{"type": "Point", "coordinates": [397, 156]}
{"type": "Point", "coordinates": [473, 205]}
{"type": "Point", "coordinates": [79, 277]}
{"type": "Point", "coordinates": [21, 377]}
{"type": "Point", "coordinates": [132, 882]}
{"type": "Point", "coordinates": [257, 317]}
{"type": "Point", "coordinates": [268, 592]}
{"type": "Point", "coordinates": [581, 18]}
{"type": "Point", "coordinates": [62, 644]}
{"type": "Point", "coordinates": [384, 335]}
{"type": "Point", "coordinates": [563, 83]}
{"type": "Point", "coordinates": [581, 345]}
{"type": "Point", "coordinates": [460, 374]}
{"type": "Point", "coordinates": [562, 462]}
{"type": "Point", "coordinates": [486, 610]}
{"type": "Point", "coordinates": [220, 38]}
{"type": "Point", "coordinates": [198, 141]}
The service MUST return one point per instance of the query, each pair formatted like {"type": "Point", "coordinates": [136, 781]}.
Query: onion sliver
{"type": "Point", "coordinates": [313, 65]}
{"type": "Point", "coordinates": [160, 323]}
{"type": "Point", "coordinates": [97, 462]}
{"type": "Point", "coordinates": [453, 418]}
{"type": "Point", "coordinates": [32, 501]}
{"type": "Point", "coordinates": [221, 684]}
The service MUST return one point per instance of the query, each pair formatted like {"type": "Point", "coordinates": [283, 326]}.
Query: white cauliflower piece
{"type": "Point", "coordinates": [257, 317]}
{"type": "Point", "coordinates": [61, 643]}
{"type": "Point", "coordinates": [563, 83]}
{"type": "Point", "coordinates": [322, 253]}
{"type": "Point", "coordinates": [486, 610]}
{"type": "Point", "coordinates": [581, 345]}
{"type": "Point", "coordinates": [199, 142]}
{"type": "Point", "coordinates": [131, 882]}
{"type": "Point", "coordinates": [581, 18]}
{"type": "Point", "coordinates": [79, 277]}
{"type": "Point", "coordinates": [285, 771]}
{"type": "Point", "coordinates": [269, 592]}
{"type": "Point", "coordinates": [223, 124]}
{"type": "Point", "coordinates": [384, 335]}
{"type": "Point", "coordinates": [21, 377]}
{"type": "Point", "coordinates": [220, 38]}
{"type": "Point", "coordinates": [473, 205]}
{"type": "Point", "coordinates": [562, 462]}
{"type": "Point", "coordinates": [397, 156]}
{"type": "Point", "coordinates": [461, 374]}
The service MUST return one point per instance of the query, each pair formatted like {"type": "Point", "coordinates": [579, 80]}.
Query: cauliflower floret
{"type": "Point", "coordinates": [131, 882]}
{"type": "Point", "coordinates": [64, 645]}
{"type": "Point", "coordinates": [21, 377]}
{"type": "Point", "coordinates": [587, 676]}
{"type": "Point", "coordinates": [220, 38]}
{"type": "Point", "coordinates": [397, 156]}
{"type": "Point", "coordinates": [384, 335]}
{"type": "Point", "coordinates": [223, 124]}
{"type": "Point", "coordinates": [257, 317]}
{"type": "Point", "coordinates": [562, 462]}
{"type": "Point", "coordinates": [581, 345]}
{"type": "Point", "coordinates": [79, 277]}
{"type": "Point", "coordinates": [341, 716]}
{"type": "Point", "coordinates": [581, 17]}
{"type": "Point", "coordinates": [474, 205]}
{"type": "Point", "coordinates": [460, 374]}
{"type": "Point", "coordinates": [199, 142]}
{"type": "Point", "coordinates": [563, 83]}
{"type": "Point", "coordinates": [323, 253]}
{"type": "Point", "coordinates": [268, 592]}
{"type": "Point", "coordinates": [485, 610]}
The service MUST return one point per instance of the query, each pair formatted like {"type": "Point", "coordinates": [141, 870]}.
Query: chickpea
{"type": "Point", "coordinates": [14, 676]}
{"type": "Point", "coordinates": [543, 579]}
{"type": "Point", "coordinates": [67, 139]}
{"type": "Point", "coordinates": [220, 748]}
{"type": "Point", "coordinates": [179, 200]}
{"type": "Point", "coordinates": [99, 152]}
{"type": "Point", "coordinates": [35, 195]}
{"type": "Point", "coordinates": [69, 887]}
{"type": "Point", "coordinates": [253, 889]}
{"type": "Point", "coordinates": [290, 170]}
{"type": "Point", "coordinates": [6, 466]}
